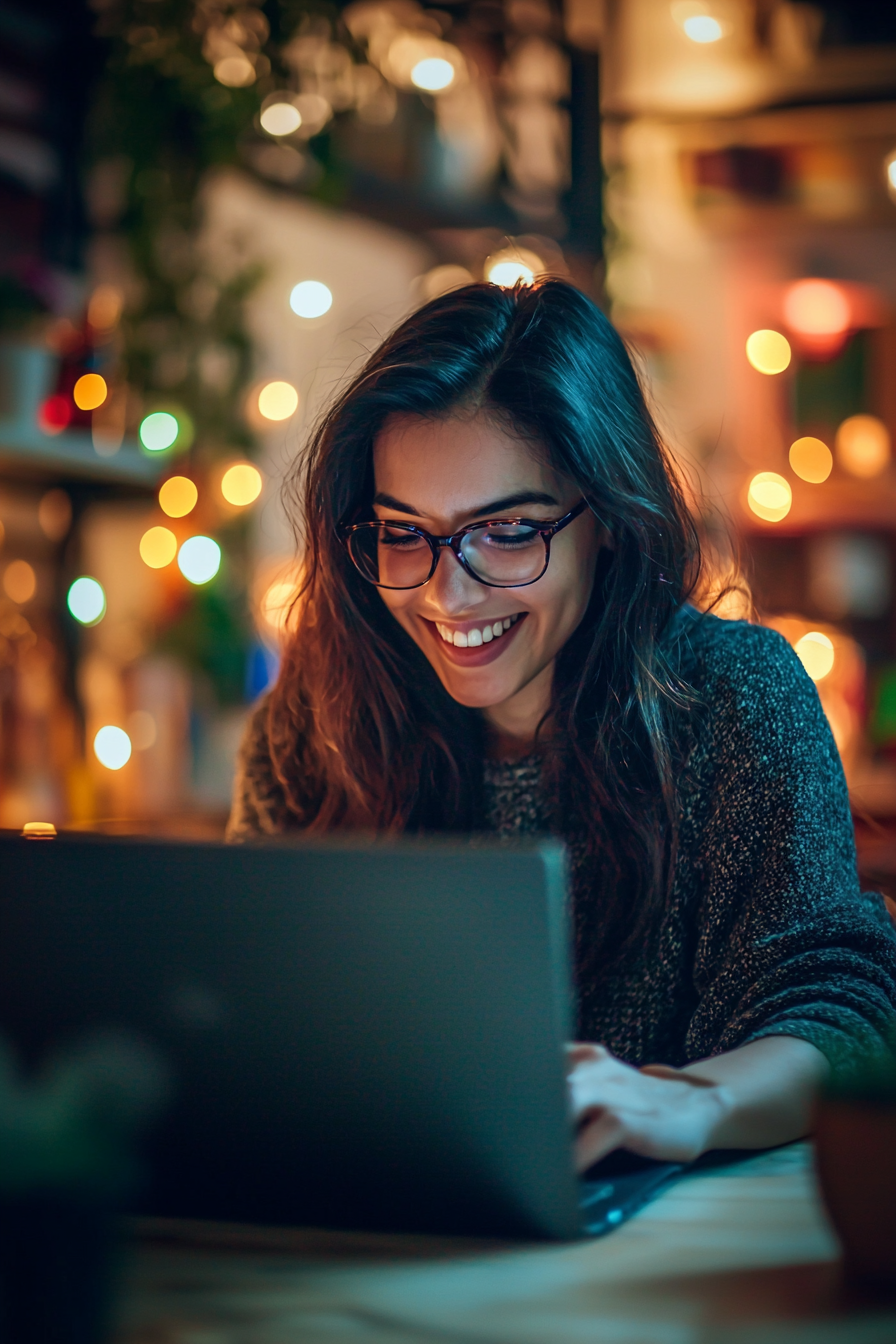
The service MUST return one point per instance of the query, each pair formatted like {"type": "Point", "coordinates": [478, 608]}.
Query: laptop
{"type": "Point", "coordinates": [357, 1033]}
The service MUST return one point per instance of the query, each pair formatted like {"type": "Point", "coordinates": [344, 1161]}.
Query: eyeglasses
{"type": "Point", "coordinates": [502, 553]}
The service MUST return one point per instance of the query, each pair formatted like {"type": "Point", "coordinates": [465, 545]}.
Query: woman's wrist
{"type": "Point", "coordinates": [712, 1106]}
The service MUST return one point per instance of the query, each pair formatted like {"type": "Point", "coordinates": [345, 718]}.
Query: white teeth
{"type": "Point", "coordinates": [472, 639]}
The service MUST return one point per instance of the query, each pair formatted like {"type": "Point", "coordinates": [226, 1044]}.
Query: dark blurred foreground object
{"type": "Point", "coordinates": [855, 1144]}
{"type": "Point", "coordinates": [67, 1162]}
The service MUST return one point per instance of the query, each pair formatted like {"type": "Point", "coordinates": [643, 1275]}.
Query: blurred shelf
{"type": "Point", "coordinates": [27, 374]}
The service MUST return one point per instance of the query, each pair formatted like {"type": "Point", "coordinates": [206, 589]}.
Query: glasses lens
{"type": "Point", "coordinates": [505, 554]}
{"type": "Point", "coordinates": [390, 556]}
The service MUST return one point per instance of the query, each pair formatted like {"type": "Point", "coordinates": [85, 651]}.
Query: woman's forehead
{"type": "Point", "coordinates": [462, 457]}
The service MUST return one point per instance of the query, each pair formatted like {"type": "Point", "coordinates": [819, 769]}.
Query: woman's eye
{"type": "Point", "coordinates": [404, 540]}
{"type": "Point", "coordinates": [509, 538]}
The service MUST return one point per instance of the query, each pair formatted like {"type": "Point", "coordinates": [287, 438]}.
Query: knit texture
{"type": "Point", "coordinates": [765, 930]}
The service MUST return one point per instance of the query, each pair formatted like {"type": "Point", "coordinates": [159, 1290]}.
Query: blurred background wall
{"type": "Point", "coordinates": [211, 209]}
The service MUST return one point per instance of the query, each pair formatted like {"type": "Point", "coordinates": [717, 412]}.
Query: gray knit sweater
{"type": "Point", "coordinates": [765, 930]}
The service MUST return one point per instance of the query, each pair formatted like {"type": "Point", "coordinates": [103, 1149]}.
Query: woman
{"type": "Point", "coordinates": [494, 634]}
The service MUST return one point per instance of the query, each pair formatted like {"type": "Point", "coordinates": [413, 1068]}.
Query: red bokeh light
{"type": "Point", "coordinates": [55, 414]}
{"type": "Point", "coordinates": [819, 313]}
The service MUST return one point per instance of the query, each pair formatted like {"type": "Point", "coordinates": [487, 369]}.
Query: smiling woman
{"type": "Point", "coordinates": [494, 634]}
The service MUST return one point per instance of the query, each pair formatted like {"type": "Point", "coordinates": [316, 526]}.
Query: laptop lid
{"type": "Point", "coordinates": [360, 1034]}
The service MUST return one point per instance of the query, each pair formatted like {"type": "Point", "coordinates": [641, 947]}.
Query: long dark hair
{"type": "Point", "coordinates": [362, 732]}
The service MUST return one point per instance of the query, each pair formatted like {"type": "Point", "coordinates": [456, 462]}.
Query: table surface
{"type": "Point", "coordinates": [741, 1254]}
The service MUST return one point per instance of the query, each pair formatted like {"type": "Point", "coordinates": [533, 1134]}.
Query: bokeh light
{"type": "Point", "coordinates": [105, 307]}
{"type": "Point", "coordinates": [199, 559]}
{"type": "Point", "coordinates": [55, 414]}
{"type": "Point", "coordinates": [158, 431]}
{"type": "Point", "coordinates": [54, 514]}
{"type": "Point", "coordinates": [863, 446]}
{"type": "Point", "coordinates": [158, 547]}
{"type": "Point", "coordinates": [112, 747]}
{"type": "Point", "coordinates": [241, 484]}
{"type": "Point", "coordinates": [769, 496]}
{"type": "Point", "coordinates": [817, 308]}
{"type": "Point", "coordinates": [890, 171]}
{"type": "Point", "coordinates": [89, 391]}
{"type": "Point", "coordinates": [86, 600]}
{"type": "Point", "coordinates": [235, 72]}
{"type": "Point", "coordinates": [811, 459]}
{"type": "Point", "coordinates": [816, 653]}
{"type": "Point", "coordinates": [433, 74]}
{"type": "Point", "coordinates": [310, 298]}
{"type": "Point", "coordinates": [281, 117]}
{"type": "Point", "coordinates": [19, 582]}
{"type": "Point", "coordinates": [278, 400]}
{"type": "Point", "coordinates": [142, 730]}
{"type": "Point", "coordinates": [277, 603]}
{"type": "Point", "coordinates": [511, 266]}
{"type": "Point", "coordinates": [702, 28]}
{"type": "Point", "coordinates": [178, 496]}
{"type": "Point", "coordinates": [768, 351]}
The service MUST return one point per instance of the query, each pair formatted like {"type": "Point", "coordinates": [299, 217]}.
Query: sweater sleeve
{"type": "Point", "coordinates": [787, 944]}
{"type": "Point", "coordinates": [257, 805]}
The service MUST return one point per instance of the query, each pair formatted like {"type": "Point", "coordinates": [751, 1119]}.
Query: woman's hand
{"type": "Point", "coordinates": [755, 1096]}
{"type": "Point", "coordinates": [656, 1112]}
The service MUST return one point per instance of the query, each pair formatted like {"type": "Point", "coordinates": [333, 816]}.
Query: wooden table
{"type": "Point", "coordinates": [742, 1254]}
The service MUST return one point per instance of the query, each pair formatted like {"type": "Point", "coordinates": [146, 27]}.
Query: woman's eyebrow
{"type": "Point", "coordinates": [495, 506]}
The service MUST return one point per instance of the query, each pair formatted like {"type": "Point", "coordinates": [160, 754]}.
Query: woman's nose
{"type": "Point", "coordinates": [451, 587]}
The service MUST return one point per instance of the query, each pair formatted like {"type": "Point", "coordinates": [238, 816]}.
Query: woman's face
{"type": "Point", "coordinates": [444, 474]}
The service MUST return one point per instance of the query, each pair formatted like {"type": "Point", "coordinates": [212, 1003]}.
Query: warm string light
{"type": "Point", "coordinates": [769, 496]}
{"type": "Point", "coordinates": [512, 266]}
{"type": "Point", "coordinates": [863, 446]}
{"type": "Point", "coordinates": [277, 400]}
{"type": "Point", "coordinates": [241, 484]}
{"type": "Point", "coordinates": [178, 496]}
{"type": "Point", "coordinates": [158, 547]}
{"type": "Point", "coordinates": [816, 653]}
{"type": "Point", "coordinates": [19, 582]}
{"type": "Point", "coordinates": [89, 392]}
{"type": "Point", "coordinates": [768, 351]}
{"type": "Point", "coordinates": [811, 459]}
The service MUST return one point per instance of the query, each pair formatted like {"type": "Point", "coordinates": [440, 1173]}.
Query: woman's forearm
{"type": "Point", "coordinates": [767, 1089]}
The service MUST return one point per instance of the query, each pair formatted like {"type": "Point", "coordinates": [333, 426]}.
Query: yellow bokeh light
{"type": "Point", "coordinates": [89, 392]}
{"type": "Point", "coordinates": [241, 484]}
{"type": "Point", "coordinates": [811, 459]}
{"type": "Point", "coordinates": [769, 496]}
{"type": "Point", "coordinates": [816, 653]}
{"type": "Point", "coordinates": [281, 118]}
{"type": "Point", "coordinates": [178, 496]}
{"type": "Point", "coordinates": [158, 547]}
{"type": "Point", "coordinates": [863, 446]}
{"type": "Point", "coordinates": [236, 72]}
{"type": "Point", "coordinates": [768, 351]}
{"type": "Point", "coordinates": [512, 265]}
{"type": "Point", "coordinates": [278, 401]}
{"type": "Point", "coordinates": [277, 602]}
{"type": "Point", "coordinates": [19, 581]}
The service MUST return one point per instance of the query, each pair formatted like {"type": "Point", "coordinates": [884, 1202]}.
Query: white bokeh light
{"type": "Point", "coordinates": [199, 559]}
{"type": "Point", "coordinates": [86, 601]}
{"type": "Point", "coordinates": [310, 298]}
{"type": "Point", "coordinates": [112, 747]}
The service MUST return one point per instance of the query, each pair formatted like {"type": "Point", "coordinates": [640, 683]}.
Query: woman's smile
{"type": "Point", "coordinates": [474, 643]}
